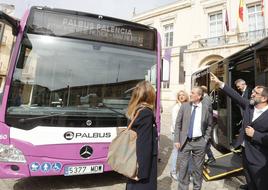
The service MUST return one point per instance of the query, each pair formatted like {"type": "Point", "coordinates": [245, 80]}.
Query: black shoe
{"type": "Point", "coordinates": [210, 160]}
{"type": "Point", "coordinates": [244, 187]}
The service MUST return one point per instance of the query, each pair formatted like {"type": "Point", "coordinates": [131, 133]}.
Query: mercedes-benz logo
{"type": "Point", "coordinates": [88, 123]}
{"type": "Point", "coordinates": [86, 151]}
{"type": "Point", "coordinates": [69, 135]}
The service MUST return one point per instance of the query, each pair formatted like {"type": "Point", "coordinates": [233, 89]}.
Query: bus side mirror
{"type": "Point", "coordinates": [25, 45]}
{"type": "Point", "coordinates": [20, 63]}
{"type": "Point", "coordinates": [11, 22]}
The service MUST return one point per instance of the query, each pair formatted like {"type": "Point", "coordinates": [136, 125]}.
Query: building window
{"type": "Point", "coordinates": [255, 23]}
{"type": "Point", "coordinates": [255, 19]}
{"type": "Point", "coordinates": [215, 24]}
{"type": "Point", "coordinates": [168, 33]}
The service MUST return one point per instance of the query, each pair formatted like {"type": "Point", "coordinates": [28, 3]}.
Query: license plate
{"type": "Point", "coordinates": [80, 170]}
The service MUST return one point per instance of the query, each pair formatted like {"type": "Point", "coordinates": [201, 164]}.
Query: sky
{"type": "Point", "coordinates": [115, 8]}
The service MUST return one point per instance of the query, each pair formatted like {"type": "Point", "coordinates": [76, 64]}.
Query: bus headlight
{"type": "Point", "coordinates": [9, 153]}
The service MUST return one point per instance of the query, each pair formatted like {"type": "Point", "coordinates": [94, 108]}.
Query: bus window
{"type": "Point", "coordinates": [262, 66]}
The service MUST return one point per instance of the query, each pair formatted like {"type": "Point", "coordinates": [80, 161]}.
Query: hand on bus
{"type": "Point", "coordinates": [249, 131]}
{"type": "Point", "coordinates": [177, 145]}
{"type": "Point", "coordinates": [215, 79]}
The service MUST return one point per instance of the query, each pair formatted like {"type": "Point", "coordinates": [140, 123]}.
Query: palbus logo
{"type": "Point", "coordinates": [69, 135]}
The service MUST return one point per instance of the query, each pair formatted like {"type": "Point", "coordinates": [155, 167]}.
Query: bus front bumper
{"type": "Point", "coordinates": [37, 166]}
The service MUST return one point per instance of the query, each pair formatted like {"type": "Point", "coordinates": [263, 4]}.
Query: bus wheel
{"type": "Point", "coordinates": [215, 139]}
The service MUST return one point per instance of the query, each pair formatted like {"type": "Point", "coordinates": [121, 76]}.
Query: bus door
{"type": "Point", "coordinates": [220, 131]}
{"type": "Point", "coordinates": [231, 162]}
{"type": "Point", "coordinates": [242, 68]}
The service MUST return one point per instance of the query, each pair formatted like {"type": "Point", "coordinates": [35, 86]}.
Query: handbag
{"type": "Point", "coordinates": [122, 156]}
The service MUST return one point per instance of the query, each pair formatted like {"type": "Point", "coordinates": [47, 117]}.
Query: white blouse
{"type": "Point", "coordinates": [174, 114]}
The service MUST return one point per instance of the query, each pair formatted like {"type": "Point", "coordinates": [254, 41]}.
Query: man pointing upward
{"type": "Point", "coordinates": [253, 135]}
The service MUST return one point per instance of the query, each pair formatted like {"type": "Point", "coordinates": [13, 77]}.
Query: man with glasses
{"type": "Point", "coordinates": [253, 135]}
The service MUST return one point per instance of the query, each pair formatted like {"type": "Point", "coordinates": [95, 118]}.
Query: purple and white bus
{"type": "Point", "coordinates": [67, 89]}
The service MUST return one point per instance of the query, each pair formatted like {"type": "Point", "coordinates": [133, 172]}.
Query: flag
{"type": "Point", "coordinates": [262, 8]}
{"type": "Point", "coordinates": [226, 21]}
{"type": "Point", "coordinates": [167, 54]}
{"type": "Point", "coordinates": [241, 10]}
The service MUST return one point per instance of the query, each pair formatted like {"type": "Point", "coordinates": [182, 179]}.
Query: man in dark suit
{"type": "Point", "coordinates": [192, 132]}
{"type": "Point", "coordinates": [253, 135]}
{"type": "Point", "coordinates": [245, 92]}
{"type": "Point", "coordinates": [243, 88]}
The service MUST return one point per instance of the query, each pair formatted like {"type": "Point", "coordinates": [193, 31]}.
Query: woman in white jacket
{"type": "Point", "coordinates": [182, 97]}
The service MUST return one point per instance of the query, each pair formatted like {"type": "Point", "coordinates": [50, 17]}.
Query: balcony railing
{"type": "Point", "coordinates": [215, 41]}
{"type": "Point", "coordinates": [245, 37]}
{"type": "Point", "coordinates": [252, 36]}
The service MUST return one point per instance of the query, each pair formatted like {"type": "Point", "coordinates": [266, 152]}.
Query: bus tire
{"type": "Point", "coordinates": [215, 139]}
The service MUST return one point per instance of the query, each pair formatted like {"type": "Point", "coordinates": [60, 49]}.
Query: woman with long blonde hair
{"type": "Point", "coordinates": [182, 97]}
{"type": "Point", "coordinates": [143, 103]}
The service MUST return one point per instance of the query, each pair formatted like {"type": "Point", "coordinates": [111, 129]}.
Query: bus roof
{"type": "Point", "coordinates": [201, 69]}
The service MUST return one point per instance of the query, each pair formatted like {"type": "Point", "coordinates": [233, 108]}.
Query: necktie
{"type": "Point", "coordinates": [191, 126]}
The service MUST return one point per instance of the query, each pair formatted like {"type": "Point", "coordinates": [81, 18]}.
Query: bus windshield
{"type": "Point", "coordinates": [74, 78]}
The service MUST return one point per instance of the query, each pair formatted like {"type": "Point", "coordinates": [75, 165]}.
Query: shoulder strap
{"type": "Point", "coordinates": [136, 115]}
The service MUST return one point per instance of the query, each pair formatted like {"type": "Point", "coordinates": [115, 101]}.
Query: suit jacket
{"type": "Point", "coordinates": [247, 93]}
{"type": "Point", "coordinates": [256, 148]}
{"type": "Point", "coordinates": [183, 122]}
{"type": "Point", "coordinates": [207, 100]}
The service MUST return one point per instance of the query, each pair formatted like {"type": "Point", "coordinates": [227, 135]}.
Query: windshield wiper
{"type": "Point", "coordinates": [41, 117]}
{"type": "Point", "coordinates": [113, 110]}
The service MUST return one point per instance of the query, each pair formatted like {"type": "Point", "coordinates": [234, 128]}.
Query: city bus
{"type": "Point", "coordinates": [249, 64]}
{"type": "Point", "coordinates": [70, 78]}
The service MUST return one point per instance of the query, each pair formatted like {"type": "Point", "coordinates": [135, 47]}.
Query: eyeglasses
{"type": "Point", "coordinates": [257, 93]}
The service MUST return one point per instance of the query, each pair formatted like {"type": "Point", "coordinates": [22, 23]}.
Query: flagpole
{"type": "Point", "coordinates": [227, 24]}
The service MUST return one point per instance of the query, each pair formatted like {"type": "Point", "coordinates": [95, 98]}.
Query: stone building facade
{"type": "Point", "coordinates": [201, 32]}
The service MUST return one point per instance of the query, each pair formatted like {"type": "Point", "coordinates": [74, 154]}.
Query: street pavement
{"type": "Point", "coordinates": [114, 181]}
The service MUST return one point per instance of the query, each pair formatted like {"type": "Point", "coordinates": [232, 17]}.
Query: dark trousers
{"type": "Point", "coordinates": [249, 180]}
{"type": "Point", "coordinates": [196, 150]}
{"type": "Point", "coordinates": [209, 152]}
{"type": "Point", "coordinates": [255, 173]}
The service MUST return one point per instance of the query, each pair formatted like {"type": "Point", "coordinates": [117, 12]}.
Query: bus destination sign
{"type": "Point", "coordinates": [90, 28]}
